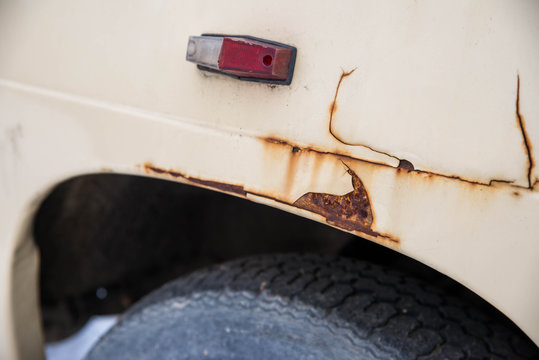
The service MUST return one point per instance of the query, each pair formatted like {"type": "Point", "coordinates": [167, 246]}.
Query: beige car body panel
{"type": "Point", "coordinates": [451, 87]}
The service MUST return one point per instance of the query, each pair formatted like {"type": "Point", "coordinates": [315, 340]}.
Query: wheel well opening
{"type": "Point", "coordinates": [106, 240]}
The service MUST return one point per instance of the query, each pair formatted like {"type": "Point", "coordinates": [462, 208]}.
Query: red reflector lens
{"type": "Point", "coordinates": [243, 57]}
{"type": "Point", "coordinates": [250, 58]}
{"type": "Point", "coordinates": [267, 60]}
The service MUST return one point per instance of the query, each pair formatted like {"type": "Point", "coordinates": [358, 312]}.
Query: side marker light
{"type": "Point", "coordinates": [243, 57]}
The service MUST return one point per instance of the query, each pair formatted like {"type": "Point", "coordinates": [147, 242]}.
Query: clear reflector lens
{"type": "Point", "coordinates": [204, 50]}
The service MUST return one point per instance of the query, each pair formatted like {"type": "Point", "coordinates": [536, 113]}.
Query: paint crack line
{"type": "Point", "coordinates": [333, 109]}
{"type": "Point", "coordinates": [525, 138]}
{"type": "Point", "coordinates": [406, 165]}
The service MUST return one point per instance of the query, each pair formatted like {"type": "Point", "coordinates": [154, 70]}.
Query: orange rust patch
{"type": "Point", "coordinates": [351, 211]}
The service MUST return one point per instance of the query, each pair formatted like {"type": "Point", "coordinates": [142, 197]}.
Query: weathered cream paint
{"type": "Point", "coordinates": [104, 85]}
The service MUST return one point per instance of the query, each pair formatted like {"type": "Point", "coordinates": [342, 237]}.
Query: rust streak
{"type": "Point", "coordinates": [351, 211]}
{"type": "Point", "coordinates": [525, 138]}
{"type": "Point", "coordinates": [229, 188]}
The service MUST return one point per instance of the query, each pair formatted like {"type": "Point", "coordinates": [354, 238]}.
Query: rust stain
{"type": "Point", "coordinates": [292, 168]}
{"type": "Point", "coordinates": [351, 211]}
{"type": "Point", "coordinates": [525, 138]}
{"type": "Point", "coordinates": [150, 168]}
{"type": "Point", "coordinates": [429, 174]}
{"type": "Point", "coordinates": [276, 141]}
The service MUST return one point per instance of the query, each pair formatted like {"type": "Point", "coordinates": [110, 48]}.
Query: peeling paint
{"type": "Point", "coordinates": [351, 211]}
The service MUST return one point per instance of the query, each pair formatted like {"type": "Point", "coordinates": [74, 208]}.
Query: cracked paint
{"type": "Point", "coordinates": [525, 139]}
{"type": "Point", "coordinates": [408, 166]}
{"type": "Point", "coordinates": [333, 109]}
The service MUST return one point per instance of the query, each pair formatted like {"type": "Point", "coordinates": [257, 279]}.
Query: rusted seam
{"type": "Point", "coordinates": [332, 111]}
{"type": "Point", "coordinates": [527, 143]}
{"type": "Point", "coordinates": [239, 190]}
{"type": "Point", "coordinates": [425, 172]}
{"type": "Point", "coordinates": [236, 189]}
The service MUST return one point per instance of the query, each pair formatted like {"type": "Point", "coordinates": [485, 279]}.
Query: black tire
{"type": "Point", "coordinates": [307, 307]}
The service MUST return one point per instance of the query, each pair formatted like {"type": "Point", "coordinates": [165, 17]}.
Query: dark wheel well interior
{"type": "Point", "coordinates": [106, 240]}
